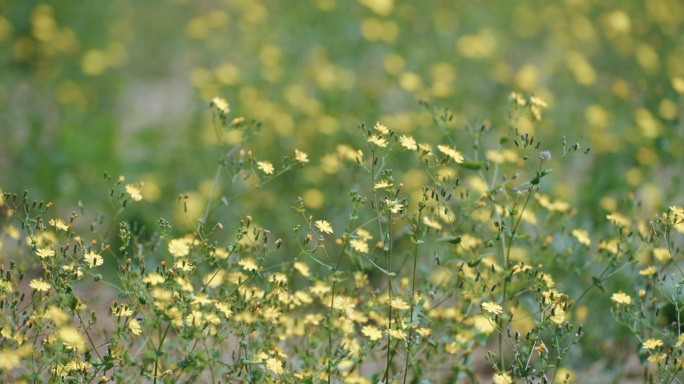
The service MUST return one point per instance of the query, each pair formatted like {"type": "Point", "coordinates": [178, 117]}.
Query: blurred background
{"type": "Point", "coordinates": [124, 87]}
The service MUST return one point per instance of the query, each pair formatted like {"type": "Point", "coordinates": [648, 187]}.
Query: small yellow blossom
{"type": "Point", "coordinates": [492, 307]}
{"type": "Point", "coordinates": [652, 344]}
{"type": "Point", "coordinates": [657, 358]}
{"type": "Point", "coordinates": [648, 271]}
{"type": "Point", "coordinates": [359, 245]}
{"type": "Point", "coordinates": [662, 254]}
{"type": "Point", "coordinates": [680, 341]}
{"type": "Point", "coordinates": [134, 326]}
{"type": "Point", "coordinates": [504, 378]}
{"type": "Point", "coordinates": [621, 298]}
{"type": "Point", "coordinates": [274, 365]}
{"type": "Point", "coordinates": [59, 224]}
{"type": "Point", "coordinates": [451, 152]}
{"type": "Point", "coordinates": [382, 184]}
{"type": "Point", "coordinates": [221, 104]}
{"type": "Point", "coordinates": [381, 128]}
{"type": "Point", "coordinates": [582, 236]}
{"type": "Point", "coordinates": [408, 142]}
{"type": "Point", "coordinates": [378, 140]}
{"type": "Point", "coordinates": [265, 166]}
{"type": "Point", "coordinates": [324, 226]}
{"type": "Point", "coordinates": [619, 219]}
{"type": "Point", "coordinates": [179, 248]}
{"type": "Point", "coordinates": [134, 191]}
{"type": "Point", "coordinates": [45, 253]}
{"type": "Point", "coordinates": [394, 206]}
{"type": "Point", "coordinates": [248, 264]}
{"type": "Point", "coordinates": [40, 285]}
{"type": "Point", "coordinates": [154, 279]}
{"type": "Point", "coordinates": [397, 334]}
{"type": "Point", "coordinates": [93, 259]}
{"type": "Point", "coordinates": [200, 299]}
{"type": "Point", "coordinates": [432, 223]}
{"type": "Point", "coordinates": [424, 332]}
{"type": "Point", "coordinates": [399, 304]}
{"type": "Point", "coordinates": [301, 156]}
{"type": "Point", "coordinates": [303, 268]}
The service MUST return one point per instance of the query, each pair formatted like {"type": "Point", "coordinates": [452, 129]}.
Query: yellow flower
{"type": "Point", "coordinates": [301, 156]}
{"type": "Point", "coordinates": [45, 253]}
{"type": "Point", "coordinates": [399, 304]}
{"type": "Point", "coordinates": [381, 128]}
{"type": "Point", "coordinates": [248, 264]}
{"type": "Point", "coordinates": [432, 223]}
{"type": "Point", "coordinates": [274, 365]}
{"type": "Point", "coordinates": [425, 149]}
{"type": "Point", "coordinates": [394, 205]}
{"type": "Point", "coordinates": [200, 299]}
{"type": "Point", "coordinates": [344, 303]}
{"type": "Point", "coordinates": [582, 236]}
{"type": "Point", "coordinates": [397, 334]}
{"type": "Point", "coordinates": [502, 379]}
{"type": "Point", "coordinates": [359, 245]}
{"type": "Point", "coordinates": [382, 184]}
{"type": "Point", "coordinates": [303, 268]}
{"type": "Point", "coordinates": [59, 224]}
{"type": "Point", "coordinates": [93, 259]}
{"type": "Point", "coordinates": [652, 343]}
{"type": "Point", "coordinates": [648, 271]}
{"type": "Point", "coordinates": [39, 285]}
{"type": "Point", "coordinates": [194, 319]}
{"type": "Point", "coordinates": [378, 140]}
{"type": "Point", "coordinates": [324, 226]}
{"type": "Point", "coordinates": [123, 310]}
{"type": "Point", "coordinates": [72, 338]}
{"type": "Point", "coordinates": [154, 279]}
{"type": "Point", "coordinates": [559, 316]}
{"type": "Point", "coordinates": [492, 307]}
{"type": "Point", "coordinates": [621, 298]}
{"type": "Point", "coordinates": [424, 332]}
{"type": "Point", "coordinates": [265, 166]}
{"type": "Point", "coordinates": [179, 247]}
{"type": "Point", "coordinates": [221, 104]}
{"type": "Point", "coordinates": [451, 152]}
{"type": "Point", "coordinates": [408, 142]}
{"type": "Point", "coordinates": [134, 191]}
{"type": "Point", "coordinates": [224, 308]}
{"type": "Point", "coordinates": [661, 254]}
{"type": "Point", "coordinates": [134, 326]}
{"type": "Point", "coordinates": [680, 341]}
{"type": "Point", "coordinates": [619, 220]}
{"type": "Point", "coordinates": [657, 358]}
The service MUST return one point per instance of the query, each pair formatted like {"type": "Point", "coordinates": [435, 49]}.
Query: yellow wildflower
{"type": "Point", "coordinates": [621, 298]}
{"type": "Point", "coordinates": [93, 259]}
{"type": "Point", "coordinates": [40, 285]}
{"type": "Point", "coordinates": [265, 166]}
{"type": "Point", "coordinates": [408, 142]}
{"type": "Point", "coordinates": [492, 307]}
{"type": "Point", "coordinates": [324, 226]}
{"type": "Point", "coordinates": [134, 191]}
{"type": "Point", "coordinates": [59, 224]}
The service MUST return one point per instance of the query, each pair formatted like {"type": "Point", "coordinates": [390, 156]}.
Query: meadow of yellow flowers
{"type": "Point", "coordinates": [371, 191]}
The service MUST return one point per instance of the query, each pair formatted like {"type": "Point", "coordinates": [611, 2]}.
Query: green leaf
{"type": "Point", "coordinates": [450, 239]}
{"type": "Point", "coordinates": [472, 165]}
{"type": "Point", "coordinates": [476, 262]}
{"type": "Point", "coordinates": [524, 236]}
{"type": "Point", "coordinates": [380, 268]}
{"type": "Point", "coordinates": [597, 283]}
{"type": "Point", "coordinates": [417, 312]}
{"type": "Point", "coordinates": [330, 267]}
